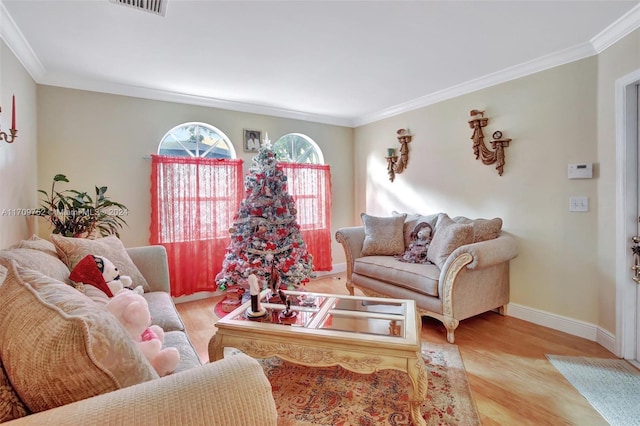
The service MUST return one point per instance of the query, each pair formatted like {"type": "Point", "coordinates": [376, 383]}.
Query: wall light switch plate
{"type": "Point", "coordinates": [578, 204]}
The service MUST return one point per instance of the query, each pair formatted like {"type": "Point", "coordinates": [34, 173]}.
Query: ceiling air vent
{"type": "Point", "coordinates": [157, 7]}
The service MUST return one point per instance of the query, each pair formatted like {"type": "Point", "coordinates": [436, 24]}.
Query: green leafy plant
{"type": "Point", "coordinates": [76, 214]}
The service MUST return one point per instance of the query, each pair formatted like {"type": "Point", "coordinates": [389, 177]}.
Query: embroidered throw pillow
{"type": "Point", "coordinates": [448, 237]}
{"type": "Point", "coordinates": [483, 229]}
{"type": "Point", "coordinates": [38, 260]}
{"type": "Point", "coordinates": [37, 243]}
{"type": "Point", "coordinates": [383, 236]}
{"type": "Point", "coordinates": [68, 347]}
{"type": "Point", "coordinates": [73, 250]}
{"type": "Point", "coordinates": [11, 407]}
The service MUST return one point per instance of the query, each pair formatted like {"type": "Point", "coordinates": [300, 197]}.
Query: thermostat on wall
{"type": "Point", "coordinates": [580, 171]}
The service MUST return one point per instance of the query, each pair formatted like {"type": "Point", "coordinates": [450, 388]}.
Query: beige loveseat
{"type": "Point", "coordinates": [67, 360]}
{"type": "Point", "coordinates": [467, 272]}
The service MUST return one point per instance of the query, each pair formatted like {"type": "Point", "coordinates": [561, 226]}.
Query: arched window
{"type": "Point", "coordinates": [298, 148]}
{"type": "Point", "coordinates": [196, 189]}
{"type": "Point", "coordinates": [196, 140]}
{"type": "Point", "coordinates": [309, 183]}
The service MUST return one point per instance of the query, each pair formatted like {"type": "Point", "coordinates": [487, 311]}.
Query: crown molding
{"type": "Point", "coordinates": [622, 27]}
{"type": "Point", "coordinates": [521, 70]}
{"type": "Point", "coordinates": [16, 42]}
{"type": "Point", "coordinates": [184, 98]}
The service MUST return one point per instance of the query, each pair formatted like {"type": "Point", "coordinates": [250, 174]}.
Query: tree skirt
{"type": "Point", "coordinates": [335, 396]}
{"type": "Point", "coordinates": [219, 310]}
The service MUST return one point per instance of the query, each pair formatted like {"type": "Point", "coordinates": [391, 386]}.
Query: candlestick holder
{"type": "Point", "coordinates": [256, 310]}
{"type": "Point", "coordinates": [480, 150]}
{"type": "Point", "coordinates": [13, 132]}
{"type": "Point", "coordinates": [397, 164]}
{"type": "Point", "coordinates": [4, 137]}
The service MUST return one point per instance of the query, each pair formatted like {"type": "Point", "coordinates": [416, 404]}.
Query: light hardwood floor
{"type": "Point", "coordinates": [504, 357]}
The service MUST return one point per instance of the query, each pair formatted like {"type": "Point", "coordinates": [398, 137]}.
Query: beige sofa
{"type": "Point", "coordinates": [467, 272]}
{"type": "Point", "coordinates": [65, 360]}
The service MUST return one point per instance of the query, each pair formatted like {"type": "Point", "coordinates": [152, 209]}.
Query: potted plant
{"type": "Point", "coordinates": [76, 214]}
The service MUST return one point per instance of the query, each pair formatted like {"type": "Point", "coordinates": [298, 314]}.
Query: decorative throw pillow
{"type": "Point", "coordinates": [11, 407]}
{"type": "Point", "coordinates": [58, 347]}
{"type": "Point", "coordinates": [448, 237]}
{"type": "Point", "coordinates": [73, 250]}
{"type": "Point", "coordinates": [483, 229]}
{"type": "Point", "coordinates": [383, 236]}
{"type": "Point", "coordinates": [37, 260]}
{"type": "Point", "coordinates": [37, 243]}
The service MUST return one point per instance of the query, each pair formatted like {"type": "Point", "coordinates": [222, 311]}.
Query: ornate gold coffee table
{"type": "Point", "coordinates": [361, 334]}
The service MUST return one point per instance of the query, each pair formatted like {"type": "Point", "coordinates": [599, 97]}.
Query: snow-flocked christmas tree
{"type": "Point", "coordinates": [265, 236]}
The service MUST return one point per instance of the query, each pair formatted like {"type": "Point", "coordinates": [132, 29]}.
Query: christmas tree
{"type": "Point", "coordinates": [265, 237]}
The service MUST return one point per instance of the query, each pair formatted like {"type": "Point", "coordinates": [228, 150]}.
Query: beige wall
{"type": "Point", "coordinates": [101, 139]}
{"type": "Point", "coordinates": [556, 117]}
{"type": "Point", "coordinates": [617, 61]}
{"type": "Point", "coordinates": [551, 119]}
{"type": "Point", "coordinates": [18, 160]}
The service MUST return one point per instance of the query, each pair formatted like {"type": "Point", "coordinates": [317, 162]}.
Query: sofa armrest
{"type": "Point", "coordinates": [153, 265]}
{"type": "Point", "coordinates": [232, 391]}
{"type": "Point", "coordinates": [487, 253]}
{"type": "Point", "coordinates": [352, 240]}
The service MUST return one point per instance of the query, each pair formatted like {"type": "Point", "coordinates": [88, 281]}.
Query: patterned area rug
{"type": "Point", "coordinates": [335, 396]}
{"type": "Point", "coordinates": [612, 386]}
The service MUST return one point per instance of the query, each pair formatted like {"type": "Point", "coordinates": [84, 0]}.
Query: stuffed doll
{"type": "Point", "coordinates": [132, 311]}
{"type": "Point", "coordinates": [100, 272]}
{"type": "Point", "coordinates": [420, 238]}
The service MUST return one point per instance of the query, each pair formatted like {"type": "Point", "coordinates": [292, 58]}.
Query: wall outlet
{"type": "Point", "coordinates": [578, 204]}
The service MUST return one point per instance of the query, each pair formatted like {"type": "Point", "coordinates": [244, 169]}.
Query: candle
{"type": "Point", "coordinates": [13, 113]}
{"type": "Point", "coordinates": [253, 285]}
{"type": "Point", "coordinates": [391, 152]}
{"type": "Point", "coordinates": [255, 304]}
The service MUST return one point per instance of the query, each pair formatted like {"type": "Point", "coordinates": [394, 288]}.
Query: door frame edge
{"type": "Point", "coordinates": [626, 214]}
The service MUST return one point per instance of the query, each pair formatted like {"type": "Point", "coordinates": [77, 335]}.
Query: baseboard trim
{"type": "Point", "coordinates": [197, 296]}
{"type": "Point", "coordinates": [335, 269]}
{"type": "Point", "coordinates": [565, 324]}
{"type": "Point", "coordinates": [607, 340]}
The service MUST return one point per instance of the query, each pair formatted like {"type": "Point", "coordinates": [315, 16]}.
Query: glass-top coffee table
{"type": "Point", "coordinates": [361, 334]}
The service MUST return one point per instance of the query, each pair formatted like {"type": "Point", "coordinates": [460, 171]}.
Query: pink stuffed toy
{"type": "Point", "coordinates": [132, 310]}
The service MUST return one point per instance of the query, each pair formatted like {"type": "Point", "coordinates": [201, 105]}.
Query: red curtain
{"type": "Point", "coordinates": [310, 187]}
{"type": "Point", "coordinates": [193, 202]}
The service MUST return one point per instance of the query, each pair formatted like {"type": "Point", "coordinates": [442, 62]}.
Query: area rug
{"type": "Point", "coordinates": [335, 396]}
{"type": "Point", "coordinates": [612, 386]}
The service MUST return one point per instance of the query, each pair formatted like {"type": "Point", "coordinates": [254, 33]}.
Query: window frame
{"type": "Point", "coordinates": [198, 154]}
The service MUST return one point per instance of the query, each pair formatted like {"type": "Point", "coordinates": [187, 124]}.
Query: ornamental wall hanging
{"type": "Point", "coordinates": [395, 164]}
{"type": "Point", "coordinates": [477, 122]}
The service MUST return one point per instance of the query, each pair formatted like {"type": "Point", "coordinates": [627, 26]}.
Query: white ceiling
{"type": "Point", "coordinates": [338, 62]}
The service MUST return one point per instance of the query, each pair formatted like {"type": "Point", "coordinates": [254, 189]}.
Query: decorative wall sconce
{"type": "Point", "coordinates": [13, 132]}
{"type": "Point", "coordinates": [395, 164]}
{"type": "Point", "coordinates": [480, 149]}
